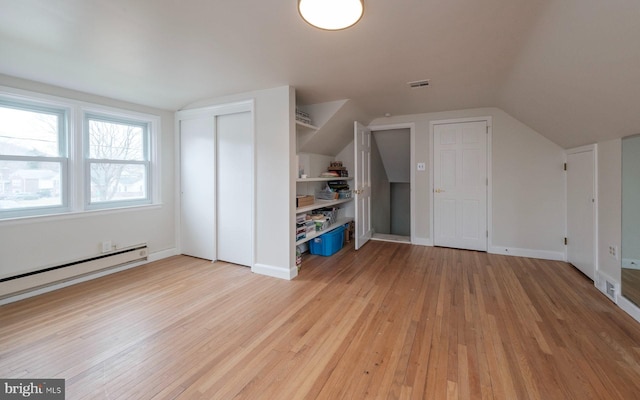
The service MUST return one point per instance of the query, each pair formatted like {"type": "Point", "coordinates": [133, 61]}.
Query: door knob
{"type": "Point", "coordinates": [439, 191]}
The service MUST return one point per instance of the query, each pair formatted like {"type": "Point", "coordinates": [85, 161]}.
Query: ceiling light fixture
{"type": "Point", "coordinates": [331, 15]}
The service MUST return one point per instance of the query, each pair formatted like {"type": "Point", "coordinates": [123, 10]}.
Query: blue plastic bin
{"type": "Point", "coordinates": [328, 243]}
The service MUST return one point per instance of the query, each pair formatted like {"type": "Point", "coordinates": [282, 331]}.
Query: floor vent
{"type": "Point", "coordinates": [17, 284]}
{"type": "Point", "coordinates": [610, 290]}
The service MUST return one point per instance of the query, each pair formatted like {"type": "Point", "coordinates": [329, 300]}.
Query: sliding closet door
{"type": "Point", "coordinates": [234, 188]}
{"type": "Point", "coordinates": [197, 187]}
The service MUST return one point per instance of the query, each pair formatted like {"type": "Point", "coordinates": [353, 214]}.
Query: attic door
{"type": "Point", "coordinates": [460, 185]}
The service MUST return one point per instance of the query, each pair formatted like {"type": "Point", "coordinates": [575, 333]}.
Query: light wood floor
{"type": "Point", "coordinates": [388, 321]}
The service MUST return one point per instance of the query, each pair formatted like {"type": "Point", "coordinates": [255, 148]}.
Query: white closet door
{"type": "Point", "coordinates": [235, 188]}
{"type": "Point", "coordinates": [197, 187]}
{"type": "Point", "coordinates": [581, 210]}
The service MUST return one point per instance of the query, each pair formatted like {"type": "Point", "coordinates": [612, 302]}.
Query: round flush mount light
{"type": "Point", "coordinates": [331, 15]}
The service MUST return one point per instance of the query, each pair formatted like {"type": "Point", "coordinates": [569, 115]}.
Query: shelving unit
{"type": "Point", "coordinates": [321, 204]}
{"type": "Point", "coordinates": [334, 178]}
{"type": "Point", "coordinates": [339, 221]}
{"type": "Point", "coordinates": [315, 165]}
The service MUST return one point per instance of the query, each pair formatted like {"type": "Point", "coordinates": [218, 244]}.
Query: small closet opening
{"type": "Point", "coordinates": [391, 185]}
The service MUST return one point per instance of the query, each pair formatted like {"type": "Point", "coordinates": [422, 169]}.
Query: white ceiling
{"type": "Point", "coordinates": [569, 69]}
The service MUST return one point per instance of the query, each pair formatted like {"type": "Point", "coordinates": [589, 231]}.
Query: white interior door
{"type": "Point", "coordinates": [234, 188]}
{"type": "Point", "coordinates": [362, 144]}
{"type": "Point", "coordinates": [460, 185]}
{"type": "Point", "coordinates": [581, 210]}
{"type": "Point", "coordinates": [197, 187]}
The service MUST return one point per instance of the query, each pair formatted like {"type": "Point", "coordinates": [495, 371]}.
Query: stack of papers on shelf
{"type": "Point", "coordinates": [303, 117]}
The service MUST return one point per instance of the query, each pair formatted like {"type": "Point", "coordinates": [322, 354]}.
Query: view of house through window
{"type": "Point", "coordinates": [56, 156]}
{"type": "Point", "coordinates": [33, 158]}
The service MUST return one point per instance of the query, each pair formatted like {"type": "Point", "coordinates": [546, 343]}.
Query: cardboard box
{"type": "Point", "coordinates": [303, 201]}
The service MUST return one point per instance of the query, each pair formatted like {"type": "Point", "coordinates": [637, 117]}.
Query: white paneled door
{"type": "Point", "coordinates": [460, 185]}
{"type": "Point", "coordinates": [581, 210]}
{"type": "Point", "coordinates": [362, 145]}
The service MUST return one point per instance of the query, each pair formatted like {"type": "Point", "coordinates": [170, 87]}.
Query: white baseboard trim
{"type": "Point", "coordinates": [630, 263]}
{"type": "Point", "coordinates": [422, 242]}
{"type": "Point", "coordinates": [162, 254]}
{"type": "Point", "coordinates": [275, 272]}
{"type": "Point", "coordinates": [628, 307]}
{"type": "Point", "coordinates": [55, 286]}
{"type": "Point", "coordinates": [541, 254]}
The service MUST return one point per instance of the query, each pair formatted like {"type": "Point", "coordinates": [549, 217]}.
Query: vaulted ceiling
{"type": "Point", "coordinates": [569, 69]}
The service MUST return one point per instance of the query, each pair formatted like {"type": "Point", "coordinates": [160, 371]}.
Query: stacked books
{"type": "Point", "coordinates": [303, 117]}
{"type": "Point", "coordinates": [304, 225]}
{"type": "Point", "coordinates": [338, 169]}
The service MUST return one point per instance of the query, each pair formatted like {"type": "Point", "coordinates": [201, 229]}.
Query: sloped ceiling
{"type": "Point", "coordinates": [569, 69]}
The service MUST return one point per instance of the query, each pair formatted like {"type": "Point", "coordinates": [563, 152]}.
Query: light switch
{"type": "Point", "coordinates": [421, 166]}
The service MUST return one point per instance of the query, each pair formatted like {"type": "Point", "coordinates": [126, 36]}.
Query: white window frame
{"type": "Point", "coordinates": [88, 161]}
{"type": "Point", "coordinates": [63, 113]}
{"type": "Point", "coordinates": [76, 185]}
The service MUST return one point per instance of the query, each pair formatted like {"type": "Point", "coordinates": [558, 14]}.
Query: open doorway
{"type": "Point", "coordinates": [391, 184]}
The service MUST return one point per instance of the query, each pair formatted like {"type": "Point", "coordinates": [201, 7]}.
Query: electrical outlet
{"type": "Point", "coordinates": [106, 246]}
{"type": "Point", "coordinates": [613, 251]}
{"type": "Point", "coordinates": [422, 166]}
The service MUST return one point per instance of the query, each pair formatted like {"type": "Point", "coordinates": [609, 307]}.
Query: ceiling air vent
{"type": "Point", "coordinates": [417, 84]}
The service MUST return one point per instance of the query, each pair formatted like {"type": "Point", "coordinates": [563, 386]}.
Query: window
{"type": "Point", "coordinates": [117, 161]}
{"type": "Point", "coordinates": [33, 159]}
{"type": "Point", "coordinates": [63, 156]}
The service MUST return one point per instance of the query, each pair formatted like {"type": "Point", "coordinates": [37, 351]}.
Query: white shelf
{"type": "Point", "coordinates": [320, 204]}
{"type": "Point", "coordinates": [306, 126]}
{"type": "Point", "coordinates": [339, 221]}
{"type": "Point", "coordinates": [334, 178]}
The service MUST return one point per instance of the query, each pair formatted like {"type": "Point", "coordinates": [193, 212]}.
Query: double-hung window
{"type": "Point", "coordinates": [117, 161]}
{"type": "Point", "coordinates": [34, 163]}
{"type": "Point", "coordinates": [61, 156]}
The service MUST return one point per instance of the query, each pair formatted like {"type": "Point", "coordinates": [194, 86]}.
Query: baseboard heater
{"type": "Point", "coordinates": [17, 284]}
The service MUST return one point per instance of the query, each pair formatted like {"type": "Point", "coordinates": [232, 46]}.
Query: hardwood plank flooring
{"type": "Point", "coordinates": [390, 321]}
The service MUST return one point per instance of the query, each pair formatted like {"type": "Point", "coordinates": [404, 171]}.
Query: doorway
{"type": "Point", "coordinates": [391, 183]}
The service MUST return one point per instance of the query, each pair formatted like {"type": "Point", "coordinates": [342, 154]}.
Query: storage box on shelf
{"type": "Point", "coordinates": [304, 200]}
{"type": "Point", "coordinates": [328, 243]}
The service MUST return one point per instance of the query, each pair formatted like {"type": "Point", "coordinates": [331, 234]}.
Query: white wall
{"type": "Point", "coordinates": [528, 184]}
{"type": "Point", "coordinates": [276, 171]}
{"type": "Point", "coordinates": [35, 243]}
{"type": "Point", "coordinates": [609, 206]}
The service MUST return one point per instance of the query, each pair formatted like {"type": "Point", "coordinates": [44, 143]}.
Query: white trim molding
{"type": "Point", "coordinates": [629, 307]}
{"type": "Point", "coordinates": [275, 272]}
{"type": "Point", "coordinates": [529, 253]}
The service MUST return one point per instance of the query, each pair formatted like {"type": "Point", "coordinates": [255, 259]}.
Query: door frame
{"type": "Point", "coordinates": [593, 148]}
{"type": "Point", "coordinates": [215, 111]}
{"type": "Point", "coordinates": [432, 124]}
{"type": "Point", "coordinates": [412, 167]}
